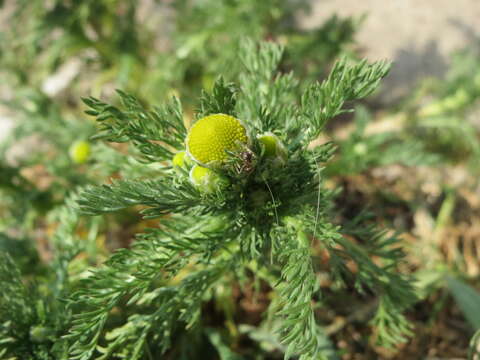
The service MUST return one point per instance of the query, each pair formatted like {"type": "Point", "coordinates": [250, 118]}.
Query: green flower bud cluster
{"type": "Point", "coordinates": [211, 141]}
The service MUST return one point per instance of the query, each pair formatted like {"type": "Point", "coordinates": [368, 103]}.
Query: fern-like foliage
{"type": "Point", "coordinates": [156, 133]}
{"type": "Point", "coordinates": [269, 218]}
{"type": "Point", "coordinates": [131, 274]}
{"type": "Point", "coordinates": [32, 316]}
{"type": "Point", "coordinates": [14, 301]}
{"type": "Point", "coordinates": [323, 101]}
{"type": "Point", "coordinates": [297, 290]}
{"type": "Point", "coordinates": [221, 100]}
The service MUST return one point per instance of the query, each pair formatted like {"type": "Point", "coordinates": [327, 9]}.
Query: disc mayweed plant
{"type": "Point", "coordinates": [239, 198]}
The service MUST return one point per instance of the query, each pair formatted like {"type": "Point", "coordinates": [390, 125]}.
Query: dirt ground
{"type": "Point", "coordinates": [418, 35]}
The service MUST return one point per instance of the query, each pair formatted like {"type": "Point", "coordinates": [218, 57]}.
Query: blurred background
{"type": "Point", "coordinates": [418, 36]}
{"type": "Point", "coordinates": [410, 153]}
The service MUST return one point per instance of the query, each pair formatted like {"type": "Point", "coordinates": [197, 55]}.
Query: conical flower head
{"type": "Point", "coordinates": [210, 138]}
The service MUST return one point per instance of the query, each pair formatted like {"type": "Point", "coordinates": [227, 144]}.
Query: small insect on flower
{"type": "Point", "coordinates": [246, 163]}
{"type": "Point", "coordinates": [207, 180]}
{"type": "Point", "coordinates": [79, 151]}
{"type": "Point", "coordinates": [211, 138]}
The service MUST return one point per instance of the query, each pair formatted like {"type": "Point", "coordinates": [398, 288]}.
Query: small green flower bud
{"type": "Point", "coordinates": [181, 159]}
{"type": "Point", "coordinates": [80, 151]}
{"type": "Point", "coordinates": [273, 148]}
{"type": "Point", "coordinates": [206, 179]}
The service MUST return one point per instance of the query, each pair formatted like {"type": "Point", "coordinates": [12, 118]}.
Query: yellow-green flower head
{"type": "Point", "coordinates": [206, 179]}
{"type": "Point", "coordinates": [211, 137]}
{"type": "Point", "coordinates": [79, 151]}
{"type": "Point", "coordinates": [273, 147]}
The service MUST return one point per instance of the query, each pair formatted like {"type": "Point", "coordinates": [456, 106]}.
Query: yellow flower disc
{"type": "Point", "coordinates": [211, 137]}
